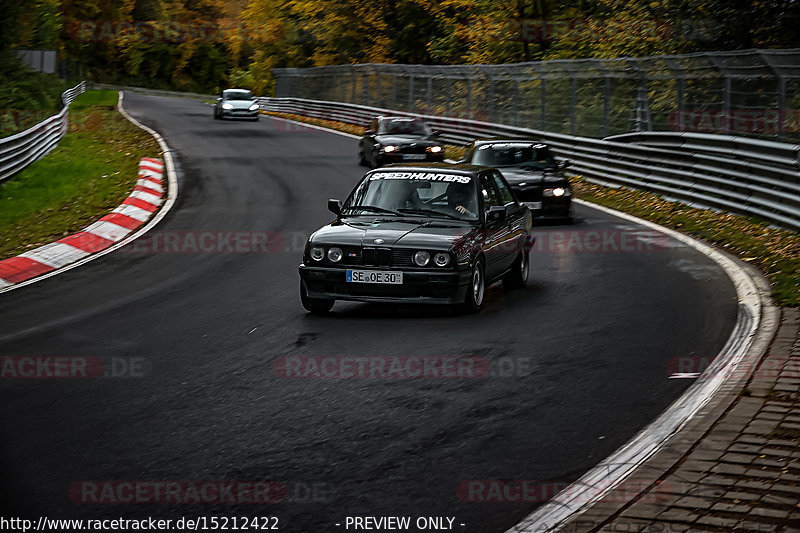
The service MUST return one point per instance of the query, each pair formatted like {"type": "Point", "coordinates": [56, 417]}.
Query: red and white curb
{"type": "Point", "coordinates": [137, 208]}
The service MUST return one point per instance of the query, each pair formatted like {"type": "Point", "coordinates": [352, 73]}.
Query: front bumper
{"type": "Point", "coordinates": [545, 206]}
{"type": "Point", "coordinates": [430, 287]}
{"type": "Point", "coordinates": [394, 157]}
{"type": "Point", "coordinates": [239, 113]}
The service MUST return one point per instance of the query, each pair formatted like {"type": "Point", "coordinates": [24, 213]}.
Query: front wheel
{"type": "Point", "coordinates": [476, 290]}
{"type": "Point", "coordinates": [517, 278]}
{"type": "Point", "coordinates": [361, 161]}
{"type": "Point", "coordinates": [315, 306]}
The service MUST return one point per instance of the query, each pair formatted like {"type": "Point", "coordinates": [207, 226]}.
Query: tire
{"type": "Point", "coordinates": [361, 161]}
{"type": "Point", "coordinates": [476, 290]}
{"type": "Point", "coordinates": [517, 278]}
{"type": "Point", "coordinates": [315, 306]}
{"type": "Point", "coordinates": [216, 116]}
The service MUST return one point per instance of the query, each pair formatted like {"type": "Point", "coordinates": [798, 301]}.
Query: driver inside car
{"type": "Point", "coordinates": [460, 199]}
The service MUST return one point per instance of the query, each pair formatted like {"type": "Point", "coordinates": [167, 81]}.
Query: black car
{"type": "Point", "coordinates": [398, 139]}
{"type": "Point", "coordinates": [436, 234]}
{"type": "Point", "coordinates": [236, 103]}
{"type": "Point", "coordinates": [533, 173]}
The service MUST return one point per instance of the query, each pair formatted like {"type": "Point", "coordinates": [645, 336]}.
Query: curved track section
{"type": "Point", "coordinates": [191, 327]}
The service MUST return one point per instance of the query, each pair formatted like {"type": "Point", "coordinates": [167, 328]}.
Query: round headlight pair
{"type": "Point", "coordinates": [388, 149]}
{"type": "Point", "coordinates": [335, 254]}
{"type": "Point", "coordinates": [434, 149]}
{"type": "Point", "coordinates": [422, 258]}
{"type": "Point", "coordinates": [253, 107]}
{"type": "Point", "coordinates": [227, 106]}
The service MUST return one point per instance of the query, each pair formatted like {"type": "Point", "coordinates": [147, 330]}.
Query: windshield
{"type": "Point", "coordinates": [405, 193]}
{"type": "Point", "coordinates": [514, 155]}
{"type": "Point", "coordinates": [237, 95]}
{"type": "Point", "coordinates": [403, 126]}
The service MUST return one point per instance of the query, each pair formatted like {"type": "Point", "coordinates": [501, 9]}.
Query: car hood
{"type": "Point", "coordinates": [405, 140]}
{"type": "Point", "coordinates": [406, 233]}
{"type": "Point", "coordinates": [240, 104]}
{"type": "Point", "coordinates": [516, 176]}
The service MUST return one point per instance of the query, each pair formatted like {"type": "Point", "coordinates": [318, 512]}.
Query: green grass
{"type": "Point", "coordinates": [774, 251]}
{"type": "Point", "coordinates": [98, 98]}
{"type": "Point", "coordinates": [91, 171]}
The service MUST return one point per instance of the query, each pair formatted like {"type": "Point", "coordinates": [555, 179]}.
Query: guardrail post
{"type": "Point", "coordinates": [573, 104]}
{"type": "Point", "coordinates": [410, 107]}
{"type": "Point", "coordinates": [429, 95]}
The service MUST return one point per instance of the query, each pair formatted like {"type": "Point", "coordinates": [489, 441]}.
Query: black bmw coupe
{"type": "Point", "coordinates": [397, 140]}
{"type": "Point", "coordinates": [436, 234]}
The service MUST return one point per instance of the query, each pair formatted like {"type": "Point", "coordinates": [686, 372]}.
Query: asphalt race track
{"type": "Point", "coordinates": [580, 359]}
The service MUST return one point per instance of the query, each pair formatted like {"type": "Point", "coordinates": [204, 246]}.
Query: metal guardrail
{"type": "Point", "coordinates": [20, 150]}
{"type": "Point", "coordinates": [153, 92]}
{"type": "Point", "coordinates": [733, 174]}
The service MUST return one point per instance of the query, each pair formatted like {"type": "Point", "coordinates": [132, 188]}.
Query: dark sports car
{"type": "Point", "coordinates": [397, 140]}
{"type": "Point", "coordinates": [419, 233]}
{"type": "Point", "coordinates": [236, 103]}
{"type": "Point", "coordinates": [532, 172]}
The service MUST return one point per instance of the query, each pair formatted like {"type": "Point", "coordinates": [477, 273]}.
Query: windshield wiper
{"type": "Point", "coordinates": [373, 208]}
{"type": "Point", "coordinates": [430, 212]}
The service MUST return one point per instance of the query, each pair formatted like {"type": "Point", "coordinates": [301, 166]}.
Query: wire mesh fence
{"type": "Point", "coordinates": [752, 93]}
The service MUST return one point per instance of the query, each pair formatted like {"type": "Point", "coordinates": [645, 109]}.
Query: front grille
{"type": "Point", "coordinates": [412, 149]}
{"type": "Point", "coordinates": [351, 255]}
{"type": "Point", "coordinates": [403, 258]}
{"type": "Point", "coordinates": [376, 257]}
{"type": "Point", "coordinates": [534, 194]}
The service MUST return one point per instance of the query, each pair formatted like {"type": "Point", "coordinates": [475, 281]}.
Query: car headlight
{"type": "Point", "coordinates": [388, 149]}
{"type": "Point", "coordinates": [434, 149]}
{"type": "Point", "coordinates": [253, 107]}
{"type": "Point", "coordinates": [441, 259]}
{"type": "Point", "coordinates": [227, 106]}
{"type": "Point", "coordinates": [557, 191]}
{"type": "Point", "coordinates": [335, 254]}
{"type": "Point", "coordinates": [317, 254]}
{"type": "Point", "coordinates": [422, 258]}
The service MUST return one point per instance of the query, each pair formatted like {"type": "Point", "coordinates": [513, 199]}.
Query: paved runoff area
{"type": "Point", "coordinates": [743, 475]}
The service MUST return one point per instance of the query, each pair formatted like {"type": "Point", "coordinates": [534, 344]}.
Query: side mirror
{"type": "Point", "coordinates": [335, 206]}
{"type": "Point", "coordinates": [369, 132]}
{"type": "Point", "coordinates": [564, 164]}
{"type": "Point", "coordinates": [496, 213]}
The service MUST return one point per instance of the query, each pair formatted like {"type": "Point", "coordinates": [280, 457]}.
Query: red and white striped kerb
{"type": "Point", "coordinates": [134, 211]}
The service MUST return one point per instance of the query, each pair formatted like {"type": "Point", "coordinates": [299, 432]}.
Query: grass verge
{"type": "Point", "coordinates": [93, 169]}
{"type": "Point", "coordinates": [775, 252]}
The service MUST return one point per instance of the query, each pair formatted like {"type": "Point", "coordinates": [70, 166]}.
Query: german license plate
{"type": "Point", "coordinates": [375, 276]}
{"type": "Point", "coordinates": [534, 205]}
{"type": "Point", "coordinates": [409, 157]}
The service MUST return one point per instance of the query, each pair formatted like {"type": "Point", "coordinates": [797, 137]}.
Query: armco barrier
{"type": "Point", "coordinates": [22, 149]}
{"type": "Point", "coordinates": [734, 174]}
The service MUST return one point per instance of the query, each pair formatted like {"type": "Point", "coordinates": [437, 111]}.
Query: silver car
{"type": "Point", "coordinates": [236, 103]}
